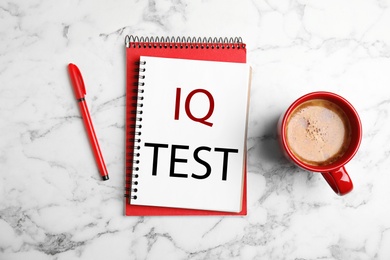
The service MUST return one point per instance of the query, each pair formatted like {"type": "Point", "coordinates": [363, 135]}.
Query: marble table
{"type": "Point", "coordinates": [53, 204]}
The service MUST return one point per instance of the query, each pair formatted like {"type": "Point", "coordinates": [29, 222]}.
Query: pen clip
{"type": "Point", "coordinates": [77, 81]}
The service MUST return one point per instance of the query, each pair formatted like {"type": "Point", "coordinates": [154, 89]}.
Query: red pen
{"type": "Point", "coordinates": [79, 90]}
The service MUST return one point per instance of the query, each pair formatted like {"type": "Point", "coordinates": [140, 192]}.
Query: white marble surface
{"type": "Point", "coordinates": [53, 204]}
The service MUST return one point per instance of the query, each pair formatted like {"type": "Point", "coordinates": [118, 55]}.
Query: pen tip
{"type": "Point", "coordinates": [105, 178]}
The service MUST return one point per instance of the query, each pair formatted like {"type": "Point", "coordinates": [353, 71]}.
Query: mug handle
{"type": "Point", "coordinates": [339, 181]}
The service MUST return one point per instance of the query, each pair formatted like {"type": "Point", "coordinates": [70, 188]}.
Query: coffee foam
{"type": "Point", "coordinates": [318, 132]}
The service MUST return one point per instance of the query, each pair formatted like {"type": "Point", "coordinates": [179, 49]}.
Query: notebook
{"type": "Point", "coordinates": [187, 156]}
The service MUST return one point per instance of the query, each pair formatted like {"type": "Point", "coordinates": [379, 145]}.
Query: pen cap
{"type": "Point", "coordinates": [77, 81]}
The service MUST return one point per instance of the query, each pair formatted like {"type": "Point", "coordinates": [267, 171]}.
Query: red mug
{"type": "Point", "coordinates": [334, 173]}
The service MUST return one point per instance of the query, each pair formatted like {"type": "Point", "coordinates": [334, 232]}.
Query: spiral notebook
{"type": "Point", "coordinates": [187, 156]}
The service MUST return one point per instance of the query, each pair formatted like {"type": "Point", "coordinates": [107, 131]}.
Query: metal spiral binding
{"type": "Point", "coordinates": [136, 117]}
{"type": "Point", "coordinates": [132, 41]}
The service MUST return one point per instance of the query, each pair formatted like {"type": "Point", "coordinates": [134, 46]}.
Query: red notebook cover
{"type": "Point", "coordinates": [222, 49]}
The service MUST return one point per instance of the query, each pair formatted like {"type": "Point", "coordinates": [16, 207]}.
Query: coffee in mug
{"type": "Point", "coordinates": [318, 132]}
{"type": "Point", "coordinates": [321, 132]}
